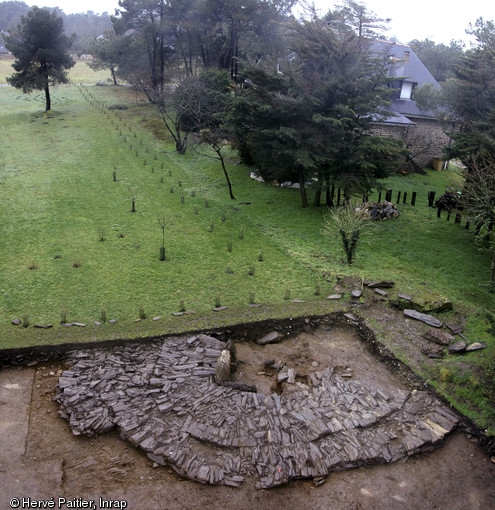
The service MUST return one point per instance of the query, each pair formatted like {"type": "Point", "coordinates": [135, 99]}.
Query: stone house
{"type": "Point", "coordinates": [421, 131]}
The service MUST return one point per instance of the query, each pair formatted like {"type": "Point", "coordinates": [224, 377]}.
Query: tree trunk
{"type": "Point", "coordinates": [48, 101]}
{"type": "Point", "coordinates": [302, 189]}
{"type": "Point", "coordinates": [492, 272]}
{"type": "Point", "coordinates": [317, 201]}
{"type": "Point", "coordinates": [220, 157]}
{"type": "Point", "coordinates": [114, 77]}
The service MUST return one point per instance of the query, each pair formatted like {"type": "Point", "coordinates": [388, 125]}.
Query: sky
{"type": "Point", "coordinates": [439, 20]}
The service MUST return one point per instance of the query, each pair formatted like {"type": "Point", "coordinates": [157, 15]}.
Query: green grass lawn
{"type": "Point", "coordinates": [57, 198]}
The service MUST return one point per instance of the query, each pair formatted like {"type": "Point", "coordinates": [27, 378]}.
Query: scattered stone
{"type": "Point", "coordinates": [405, 297]}
{"type": "Point", "coordinates": [240, 386]}
{"type": "Point", "coordinates": [157, 318]}
{"type": "Point", "coordinates": [220, 308]}
{"type": "Point", "coordinates": [455, 328]}
{"type": "Point", "coordinates": [255, 305]}
{"type": "Point", "coordinates": [380, 292]}
{"type": "Point", "coordinates": [112, 321]}
{"type": "Point", "coordinates": [427, 319]}
{"type": "Point", "coordinates": [334, 296]}
{"type": "Point", "coordinates": [297, 301]}
{"type": "Point", "coordinates": [439, 337]}
{"type": "Point", "coordinates": [43, 326]}
{"type": "Point", "coordinates": [16, 322]}
{"type": "Point", "coordinates": [271, 338]}
{"type": "Point", "coordinates": [222, 368]}
{"type": "Point", "coordinates": [79, 324]}
{"type": "Point", "coordinates": [356, 294]}
{"type": "Point", "coordinates": [476, 346]}
{"type": "Point", "coordinates": [97, 323]}
{"type": "Point", "coordinates": [433, 351]}
{"type": "Point", "coordinates": [189, 312]}
{"type": "Point", "coordinates": [177, 314]}
{"type": "Point", "coordinates": [383, 284]}
{"type": "Point", "coordinates": [458, 347]}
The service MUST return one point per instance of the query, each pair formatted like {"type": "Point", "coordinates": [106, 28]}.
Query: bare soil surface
{"type": "Point", "coordinates": [40, 458]}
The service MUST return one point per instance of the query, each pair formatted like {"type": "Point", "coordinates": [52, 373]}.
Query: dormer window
{"type": "Point", "coordinates": [406, 90]}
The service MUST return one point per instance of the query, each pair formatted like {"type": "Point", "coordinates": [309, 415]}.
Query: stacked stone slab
{"type": "Point", "coordinates": [162, 398]}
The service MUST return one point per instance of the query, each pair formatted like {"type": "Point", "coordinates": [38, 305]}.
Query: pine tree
{"type": "Point", "coordinates": [40, 47]}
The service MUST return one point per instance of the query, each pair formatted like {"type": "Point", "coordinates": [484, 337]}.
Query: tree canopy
{"type": "Point", "coordinates": [41, 50]}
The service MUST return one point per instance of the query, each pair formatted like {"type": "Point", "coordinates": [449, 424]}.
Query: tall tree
{"type": "Point", "coordinates": [439, 59]}
{"type": "Point", "coordinates": [315, 119]}
{"type": "Point", "coordinates": [41, 50]}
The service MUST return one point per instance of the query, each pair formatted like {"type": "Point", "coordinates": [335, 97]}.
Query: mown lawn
{"type": "Point", "coordinates": [58, 198]}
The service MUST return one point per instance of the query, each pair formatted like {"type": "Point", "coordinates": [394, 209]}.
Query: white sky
{"type": "Point", "coordinates": [439, 20]}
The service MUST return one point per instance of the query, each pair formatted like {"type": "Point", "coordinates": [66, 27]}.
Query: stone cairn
{"type": "Point", "coordinates": [380, 210]}
{"type": "Point", "coordinates": [162, 397]}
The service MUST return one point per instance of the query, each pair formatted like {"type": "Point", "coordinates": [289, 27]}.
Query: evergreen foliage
{"type": "Point", "coordinates": [41, 51]}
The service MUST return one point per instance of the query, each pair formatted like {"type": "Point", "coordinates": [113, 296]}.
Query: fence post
{"type": "Point", "coordinates": [398, 197]}
{"type": "Point", "coordinates": [431, 198]}
{"type": "Point", "coordinates": [413, 199]}
{"type": "Point", "coordinates": [439, 212]}
{"type": "Point", "coordinates": [457, 217]}
{"type": "Point", "coordinates": [338, 196]}
{"type": "Point", "coordinates": [388, 196]}
{"type": "Point", "coordinates": [379, 197]}
{"type": "Point", "coordinates": [467, 225]}
{"type": "Point", "coordinates": [405, 197]}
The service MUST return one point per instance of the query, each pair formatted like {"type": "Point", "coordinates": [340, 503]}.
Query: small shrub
{"type": "Point", "coordinates": [229, 270]}
{"type": "Point", "coordinates": [445, 375]}
{"type": "Point", "coordinates": [152, 169]}
{"type": "Point", "coordinates": [25, 321]}
{"type": "Point", "coordinates": [101, 234]}
{"type": "Point", "coordinates": [63, 316]}
{"type": "Point", "coordinates": [103, 316]}
{"type": "Point", "coordinates": [161, 166]}
{"type": "Point", "coordinates": [76, 263]}
{"type": "Point", "coordinates": [241, 233]}
{"type": "Point", "coordinates": [252, 300]}
{"type": "Point", "coordinates": [210, 229]}
{"type": "Point", "coordinates": [142, 314]}
{"type": "Point", "coordinates": [287, 294]}
{"type": "Point", "coordinates": [229, 245]}
{"type": "Point", "coordinates": [206, 202]}
{"type": "Point", "coordinates": [179, 183]}
{"type": "Point", "coordinates": [172, 189]}
{"type": "Point", "coordinates": [182, 306]}
{"type": "Point", "coordinates": [218, 303]}
{"type": "Point", "coordinates": [251, 271]}
{"type": "Point", "coordinates": [170, 173]}
{"type": "Point", "coordinates": [33, 265]}
{"type": "Point", "coordinates": [196, 212]}
{"type": "Point", "coordinates": [161, 179]}
{"type": "Point", "coordinates": [182, 198]}
{"type": "Point", "coordinates": [114, 175]}
{"type": "Point", "coordinates": [145, 162]}
{"type": "Point", "coordinates": [224, 216]}
{"type": "Point", "coordinates": [193, 193]}
{"type": "Point", "coordinates": [260, 255]}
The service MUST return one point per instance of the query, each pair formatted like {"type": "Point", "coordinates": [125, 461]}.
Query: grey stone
{"type": "Point", "coordinates": [334, 296]}
{"type": "Point", "coordinates": [439, 337]}
{"type": "Point", "coordinates": [112, 321]}
{"type": "Point", "coordinates": [459, 346]}
{"type": "Point", "coordinates": [222, 367]}
{"type": "Point", "coordinates": [297, 301]}
{"type": "Point", "coordinates": [220, 308]}
{"type": "Point", "coordinates": [405, 297]}
{"type": "Point", "coordinates": [433, 351]}
{"type": "Point", "coordinates": [270, 338]}
{"type": "Point", "coordinates": [423, 317]}
{"type": "Point", "coordinates": [384, 284]}
{"type": "Point", "coordinates": [356, 294]}
{"type": "Point", "coordinates": [380, 292]}
{"type": "Point", "coordinates": [16, 322]}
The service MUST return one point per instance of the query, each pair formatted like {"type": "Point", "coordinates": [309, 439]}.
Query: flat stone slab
{"type": "Point", "coordinates": [476, 346]}
{"type": "Point", "coordinates": [458, 347]}
{"type": "Point", "coordinates": [161, 397]}
{"type": "Point", "coordinates": [380, 292]}
{"type": "Point", "coordinates": [423, 317]}
{"type": "Point", "coordinates": [384, 284]}
{"type": "Point", "coordinates": [356, 294]}
{"type": "Point", "coordinates": [270, 338]}
{"type": "Point", "coordinates": [334, 296]}
{"type": "Point", "coordinates": [439, 337]}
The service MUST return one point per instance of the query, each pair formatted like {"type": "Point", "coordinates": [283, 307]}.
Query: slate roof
{"type": "Point", "coordinates": [405, 64]}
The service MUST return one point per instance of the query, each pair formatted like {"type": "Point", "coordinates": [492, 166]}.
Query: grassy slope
{"type": "Point", "coordinates": [56, 193]}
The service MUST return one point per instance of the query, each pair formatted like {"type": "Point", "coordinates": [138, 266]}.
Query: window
{"type": "Point", "coordinates": [406, 90]}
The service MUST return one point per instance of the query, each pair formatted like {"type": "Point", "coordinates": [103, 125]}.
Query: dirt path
{"type": "Point", "coordinates": [40, 458]}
